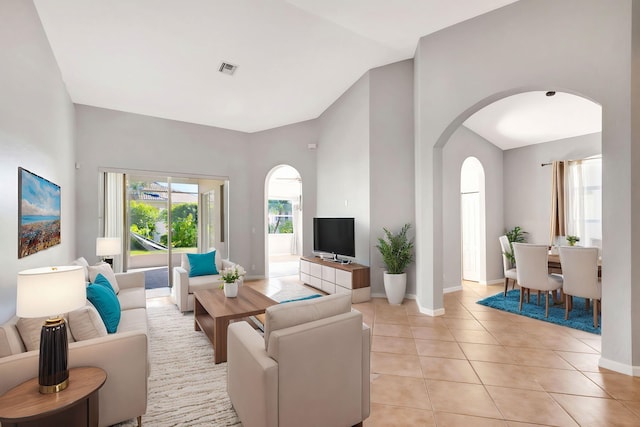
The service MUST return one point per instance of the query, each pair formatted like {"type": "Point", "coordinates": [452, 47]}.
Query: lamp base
{"type": "Point", "coordinates": [53, 373]}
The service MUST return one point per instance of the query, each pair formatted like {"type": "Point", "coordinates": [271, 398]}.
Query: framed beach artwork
{"type": "Point", "coordinates": [38, 213]}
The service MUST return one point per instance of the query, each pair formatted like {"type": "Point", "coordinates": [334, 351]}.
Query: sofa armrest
{"type": "Point", "coordinates": [180, 289]}
{"type": "Point", "coordinates": [366, 371]}
{"type": "Point", "coordinates": [134, 279]}
{"type": "Point", "coordinates": [252, 377]}
{"type": "Point", "coordinates": [123, 356]}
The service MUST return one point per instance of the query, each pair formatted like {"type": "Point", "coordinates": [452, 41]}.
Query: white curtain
{"type": "Point", "coordinates": [296, 211]}
{"type": "Point", "coordinates": [584, 201]}
{"type": "Point", "coordinates": [114, 214]}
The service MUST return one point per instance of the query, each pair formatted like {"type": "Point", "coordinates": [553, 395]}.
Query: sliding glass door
{"type": "Point", "coordinates": [162, 217]}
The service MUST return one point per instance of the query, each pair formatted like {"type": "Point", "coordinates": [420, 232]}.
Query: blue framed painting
{"type": "Point", "coordinates": [38, 213]}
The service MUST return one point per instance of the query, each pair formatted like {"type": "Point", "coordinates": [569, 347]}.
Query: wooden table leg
{"type": "Point", "coordinates": [220, 340]}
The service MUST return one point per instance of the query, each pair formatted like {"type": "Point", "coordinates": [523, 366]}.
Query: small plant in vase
{"type": "Point", "coordinates": [572, 240]}
{"type": "Point", "coordinates": [231, 276]}
{"type": "Point", "coordinates": [397, 254]}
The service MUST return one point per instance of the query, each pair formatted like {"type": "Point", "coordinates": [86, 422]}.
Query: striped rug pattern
{"type": "Point", "coordinates": [185, 387]}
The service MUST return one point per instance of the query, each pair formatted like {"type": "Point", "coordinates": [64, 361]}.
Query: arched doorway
{"type": "Point", "coordinates": [472, 219]}
{"type": "Point", "coordinates": [283, 219]}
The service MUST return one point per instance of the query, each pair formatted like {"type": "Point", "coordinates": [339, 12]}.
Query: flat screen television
{"type": "Point", "coordinates": [334, 236]}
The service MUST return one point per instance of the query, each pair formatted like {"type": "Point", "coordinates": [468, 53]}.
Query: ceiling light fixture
{"type": "Point", "coordinates": [551, 93]}
{"type": "Point", "coordinates": [227, 68]}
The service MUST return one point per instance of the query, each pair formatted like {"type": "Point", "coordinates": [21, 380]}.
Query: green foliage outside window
{"type": "Point", "coordinates": [184, 225]}
{"type": "Point", "coordinates": [143, 218]}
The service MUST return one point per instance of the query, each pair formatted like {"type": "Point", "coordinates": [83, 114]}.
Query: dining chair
{"type": "Point", "coordinates": [580, 272]}
{"type": "Point", "coordinates": [533, 271]}
{"type": "Point", "coordinates": [507, 265]}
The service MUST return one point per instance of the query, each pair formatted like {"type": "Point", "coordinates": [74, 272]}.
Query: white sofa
{"type": "Point", "coordinates": [184, 286]}
{"type": "Point", "coordinates": [123, 354]}
{"type": "Point", "coordinates": [311, 368]}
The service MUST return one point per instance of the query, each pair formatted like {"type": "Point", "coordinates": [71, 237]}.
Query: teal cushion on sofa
{"type": "Point", "coordinates": [202, 264]}
{"type": "Point", "coordinates": [103, 281]}
{"type": "Point", "coordinates": [103, 298]}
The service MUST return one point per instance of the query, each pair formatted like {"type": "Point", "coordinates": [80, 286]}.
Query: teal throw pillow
{"type": "Point", "coordinates": [103, 281]}
{"type": "Point", "coordinates": [106, 302]}
{"type": "Point", "coordinates": [202, 264]}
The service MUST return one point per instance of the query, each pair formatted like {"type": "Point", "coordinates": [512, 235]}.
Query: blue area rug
{"type": "Point", "coordinates": [579, 318]}
{"type": "Point", "coordinates": [301, 298]}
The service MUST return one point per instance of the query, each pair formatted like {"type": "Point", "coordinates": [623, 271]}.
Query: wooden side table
{"type": "Point", "coordinates": [77, 405]}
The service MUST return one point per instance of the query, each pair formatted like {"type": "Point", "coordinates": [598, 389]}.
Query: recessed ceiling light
{"type": "Point", "coordinates": [227, 68]}
{"type": "Point", "coordinates": [551, 93]}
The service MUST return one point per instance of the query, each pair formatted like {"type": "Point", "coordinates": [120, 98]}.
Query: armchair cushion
{"type": "Point", "coordinates": [104, 269]}
{"type": "Point", "coordinates": [202, 264]}
{"type": "Point", "coordinates": [286, 315]}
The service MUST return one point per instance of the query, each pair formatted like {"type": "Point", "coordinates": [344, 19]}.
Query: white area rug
{"type": "Point", "coordinates": [185, 387]}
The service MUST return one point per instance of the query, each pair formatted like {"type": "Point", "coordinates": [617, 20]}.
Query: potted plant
{"type": "Point", "coordinates": [514, 235]}
{"type": "Point", "coordinates": [231, 276]}
{"type": "Point", "coordinates": [572, 240]}
{"type": "Point", "coordinates": [397, 254]}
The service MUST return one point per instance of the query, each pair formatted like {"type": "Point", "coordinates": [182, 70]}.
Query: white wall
{"type": "Point", "coordinates": [391, 161]}
{"type": "Point", "coordinates": [577, 46]}
{"type": "Point", "coordinates": [462, 144]}
{"type": "Point", "coordinates": [343, 163]}
{"type": "Point", "coordinates": [531, 209]}
{"type": "Point", "coordinates": [36, 133]}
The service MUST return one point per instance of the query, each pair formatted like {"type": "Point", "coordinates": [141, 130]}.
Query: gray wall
{"type": "Point", "coordinates": [118, 140]}
{"type": "Point", "coordinates": [465, 143]}
{"type": "Point", "coordinates": [578, 46]}
{"type": "Point", "coordinates": [391, 161]}
{"type": "Point", "coordinates": [343, 163]}
{"type": "Point", "coordinates": [36, 133]}
{"type": "Point", "coordinates": [531, 209]}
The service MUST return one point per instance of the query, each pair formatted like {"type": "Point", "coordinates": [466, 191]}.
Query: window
{"type": "Point", "coordinates": [584, 201]}
{"type": "Point", "coordinates": [280, 216]}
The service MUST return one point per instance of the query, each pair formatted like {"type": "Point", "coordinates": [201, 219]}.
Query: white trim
{"type": "Point", "coordinates": [382, 295]}
{"type": "Point", "coordinates": [623, 368]}
{"type": "Point", "coordinates": [491, 282]}
{"type": "Point", "coordinates": [429, 312]}
{"type": "Point", "coordinates": [451, 289]}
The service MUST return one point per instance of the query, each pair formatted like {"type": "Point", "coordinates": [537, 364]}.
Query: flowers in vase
{"type": "Point", "coordinates": [231, 274]}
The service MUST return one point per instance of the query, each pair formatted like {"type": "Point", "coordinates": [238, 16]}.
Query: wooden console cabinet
{"type": "Point", "coordinates": [333, 277]}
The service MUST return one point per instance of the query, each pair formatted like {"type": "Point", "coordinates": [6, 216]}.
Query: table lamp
{"type": "Point", "coordinates": [51, 292]}
{"type": "Point", "coordinates": [107, 247]}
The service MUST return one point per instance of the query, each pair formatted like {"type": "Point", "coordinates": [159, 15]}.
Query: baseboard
{"type": "Point", "coordinates": [622, 368]}
{"type": "Point", "coordinates": [379, 295]}
{"type": "Point", "coordinates": [429, 312]}
{"type": "Point", "coordinates": [491, 282]}
{"type": "Point", "coordinates": [451, 289]}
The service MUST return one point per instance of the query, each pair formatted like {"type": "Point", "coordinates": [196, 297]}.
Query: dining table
{"type": "Point", "coordinates": [555, 266]}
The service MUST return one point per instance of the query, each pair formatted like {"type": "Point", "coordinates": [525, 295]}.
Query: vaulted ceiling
{"type": "Point", "coordinates": [295, 57]}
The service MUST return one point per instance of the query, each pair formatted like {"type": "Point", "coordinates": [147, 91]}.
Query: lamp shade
{"type": "Point", "coordinates": [50, 291]}
{"type": "Point", "coordinates": [108, 246]}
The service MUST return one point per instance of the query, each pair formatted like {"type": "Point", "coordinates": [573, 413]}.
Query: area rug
{"type": "Point", "coordinates": [185, 387]}
{"type": "Point", "coordinates": [579, 318]}
{"type": "Point", "coordinates": [290, 292]}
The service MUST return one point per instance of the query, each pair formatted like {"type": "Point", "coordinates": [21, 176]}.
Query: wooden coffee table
{"type": "Point", "coordinates": [213, 311]}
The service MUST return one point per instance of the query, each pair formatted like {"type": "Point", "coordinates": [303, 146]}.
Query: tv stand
{"type": "Point", "coordinates": [334, 277]}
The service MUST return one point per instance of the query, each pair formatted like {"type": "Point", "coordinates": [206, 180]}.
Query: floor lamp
{"type": "Point", "coordinates": [51, 292]}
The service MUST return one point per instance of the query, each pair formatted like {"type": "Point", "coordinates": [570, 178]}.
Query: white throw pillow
{"type": "Point", "coordinates": [104, 269]}
{"type": "Point", "coordinates": [85, 323]}
{"type": "Point", "coordinates": [30, 329]}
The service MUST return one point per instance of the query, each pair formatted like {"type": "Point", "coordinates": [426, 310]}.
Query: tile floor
{"type": "Point", "coordinates": [477, 366]}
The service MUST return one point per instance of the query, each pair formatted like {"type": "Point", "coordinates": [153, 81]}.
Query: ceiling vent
{"type": "Point", "coordinates": [227, 68]}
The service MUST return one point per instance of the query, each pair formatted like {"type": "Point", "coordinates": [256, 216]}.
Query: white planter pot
{"type": "Point", "coordinates": [231, 290]}
{"type": "Point", "coordinates": [395, 286]}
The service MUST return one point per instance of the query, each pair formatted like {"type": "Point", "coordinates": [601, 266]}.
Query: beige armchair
{"type": "Point", "coordinates": [184, 286]}
{"type": "Point", "coordinates": [310, 369]}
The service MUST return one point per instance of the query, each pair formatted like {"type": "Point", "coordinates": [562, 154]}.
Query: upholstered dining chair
{"type": "Point", "coordinates": [508, 267]}
{"type": "Point", "coordinates": [580, 272]}
{"type": "Point", "coordinates": [533, 271]}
